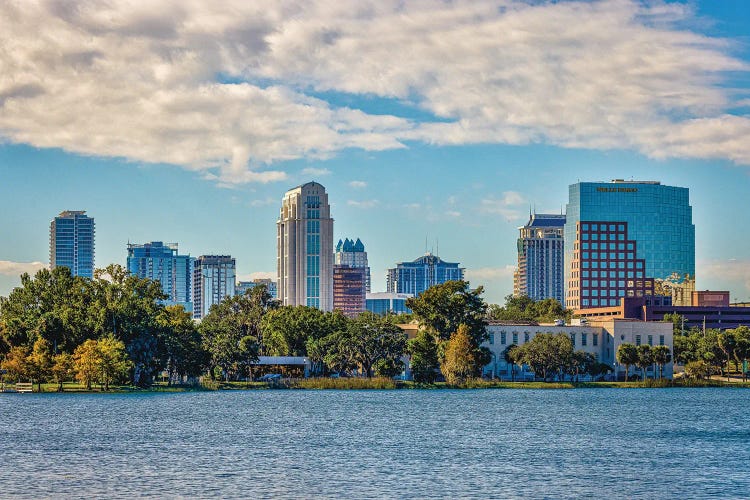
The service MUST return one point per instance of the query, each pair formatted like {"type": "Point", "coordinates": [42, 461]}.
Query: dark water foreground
{"type": "Point", "coordinates": [669, 443]}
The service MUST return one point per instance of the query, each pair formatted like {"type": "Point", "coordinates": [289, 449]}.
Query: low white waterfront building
{"type": "Point", "coordinates": [600, 338]}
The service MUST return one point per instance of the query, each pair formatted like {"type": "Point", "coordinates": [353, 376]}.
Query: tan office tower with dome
{"type": "Point", "coordinates": [304, 245]}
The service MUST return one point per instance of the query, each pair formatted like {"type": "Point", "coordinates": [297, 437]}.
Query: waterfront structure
{"type": "Point", "coordinates": [349, 289]}
{"type": "Point", "coordinates": [71, 243]}
{"type": "Point", "coordinates": [700, 314]}
{"type": "Point", "coordinates": [628, 239]}
{"type": "Point", "coordinates": [387, 303]}
{"type": "Point", "coordinates": [539, 274]}
{"type": "Point", "coordinates": [243, 286]}
{"type": "Point", "coordinates": [352, 253]}
{"type": "Point", "coordinates": [600, 337]}
{"type": "Point", "coordinates": [417, 276]}
{"type": "Point", "coordinates": [213, 280]}
{"type": "Point", "coordinates": [163, 263]}
{"type": "Point", "coordinates": [304, 243]}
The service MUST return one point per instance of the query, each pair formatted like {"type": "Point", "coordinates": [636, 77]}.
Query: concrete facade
{"type": "Point", "coordinates": [304, 243]}
{"type": "Point", "coordinates": [601, 338]}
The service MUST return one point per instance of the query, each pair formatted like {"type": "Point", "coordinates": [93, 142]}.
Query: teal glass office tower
{"type": "Point", "coordinates": [71, 243]}
{"type": "Point", "coordinates": [628, 239]}
{"type": "Point", "coordinates": [163, 263]}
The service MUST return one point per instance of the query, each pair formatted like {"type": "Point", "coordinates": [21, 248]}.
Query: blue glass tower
{"type": "Point", "coordinates": [163, 263]}
{"type": "Point", "coordinates": [628, 239]}
{"type": "Point", "coordinates": [71, 243]}
{"type": "Point", "coordinates": [417, 276]}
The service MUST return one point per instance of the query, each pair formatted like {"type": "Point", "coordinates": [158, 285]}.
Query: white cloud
{"type": "Point", "coordinates": [725, 274]}
{"type": "Point", "coordinates": [490, 273]}
{"type": "Point", "coordinates": [10, 268]}
{"type": "Point", "coordinates": [508, 205]}
{"type": "Point", "coordinates": [358, 184]}
{"type": "Point", "coordinates": [453, 213]}
{"type": "Point", "coordinates": [363, 203]}
{"type": "Point", "coordinates": [315, 172]}
{"type": "Point", "coordinates": [222, 88]}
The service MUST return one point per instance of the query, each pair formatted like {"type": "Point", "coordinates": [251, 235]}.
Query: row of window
{"type": "Point", "coordinates": [527, 338]}
{"type": "Point", "coordinates": [585, 226]}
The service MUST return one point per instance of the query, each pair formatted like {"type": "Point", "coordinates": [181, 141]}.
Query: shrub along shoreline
{"type": "Point", "coordinates": [380, 383]}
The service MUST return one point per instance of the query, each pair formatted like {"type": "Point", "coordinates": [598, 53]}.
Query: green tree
{"type": "Point", "coordinates": [645, 358]}
{"type": "Point", "coordinates": [678, 323]}
{"type": "Point", "coordinates": [287, 330]}
{"type": "Point", "coordinates": [442, 308]}
{"type": "Point", "coordinates": [698, 369]}
{"type": "Point", "coordinates": [62, 369]}
{"type": "Point", "coordinates": [371, 338]}
{"type": "Point", "coordinates": [727, 343]}
{"type": "Point", "coordinates": [661, 356]}
{"type": "Point", "coordinates": [512, 355]}
{"type": "Point", "coordinates": [581, 363]}
{"type": "Point", "coordinates": [627, 355]}
{"type": "Point", "coordinates": [742, 349]}
{"type": "Point", "coordinates": [423, 354]}
{"type": "Point", "coordinates": [547, 354]}
{"type": "Point", "coordinates": [459, 361]}
{"type": "Point", "coordinates": [113, 361]}
{"type": "Point", "coordinates": [249, 349]}
{"type": "Point", "coordinates": [182, 343]}
{"type": "Point", "coordinates": [522, 308]}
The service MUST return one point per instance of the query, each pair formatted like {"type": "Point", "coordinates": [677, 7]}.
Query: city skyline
{"type": "Point", "coordinates": [404, 153]}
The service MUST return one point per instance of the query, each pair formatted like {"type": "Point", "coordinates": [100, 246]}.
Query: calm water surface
{"type": "Point", "coordinates": [681, 443]}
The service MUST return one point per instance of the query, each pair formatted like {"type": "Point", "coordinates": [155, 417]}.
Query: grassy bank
{"type": "Point", "coordinates": [324, 383]}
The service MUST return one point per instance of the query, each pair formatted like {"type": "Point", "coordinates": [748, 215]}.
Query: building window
{"type": "Point", "coordinates": [650, 340]}
{"type": "Point", "coordinates": [595, 339]}
{"type": "Point", "coordinates": [525, 337]}
{"type": "Point", "coordinates": [573, 339]}
{"type": "Point", "coordinates": [583, 339]}
{"type": "Point", "coordinates": [492, 338]}
{"type": "Point", "coordinates": [503, 338]}
{"type": "Point", "coordinates": [515, 338]}
{"type": "Point", "coordinates": [637, 340]}
{"type": "Point", "coordinates": [661, 339]}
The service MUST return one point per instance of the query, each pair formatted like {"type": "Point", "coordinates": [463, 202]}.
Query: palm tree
{"type": "Point", "coordinates": [661, 356]}
{"type": "Point", "coordinates": [727, 343]}
{"type": "Point", "coordinates": [627, 355]}
{"type": "Point", "coordinates": [510, 358]}
{"type": "Point", "coordinates": [645, 358]}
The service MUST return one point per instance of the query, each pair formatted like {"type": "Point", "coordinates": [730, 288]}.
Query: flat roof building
{"type": "Point", "coordinates": [71, 243]}
{"type": "Point", "coordinates": [417, 276]}
{"type": "Point", "coordinates": [628, 239]}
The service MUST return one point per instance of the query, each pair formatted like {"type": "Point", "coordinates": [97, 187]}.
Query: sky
{"type": "Point", "coordinates": [434, 126]}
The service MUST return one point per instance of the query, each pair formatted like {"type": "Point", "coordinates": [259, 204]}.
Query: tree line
{"type": "Point", "coordinates": [115, 329]}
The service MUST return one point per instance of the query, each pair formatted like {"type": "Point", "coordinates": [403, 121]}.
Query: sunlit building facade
{"type": "Point", "coordinates": [304, 242]}
{"type": "Point", "coordinates": [71, 243]}
{"type": "Point", "coordinates": [628, 239]}
{"type": "Point", "coordinates": [213, 280]}
{"type": "Point", "coordinates": [163, 263]}
{"type": "Point", "coordinates": [349, 289]}
{"type": "Point", "coordinates": [352, 253]}
{"type": "Point", "coordinates": [417, 276]}
{"type": "Point", "coordinates": [540, 273]}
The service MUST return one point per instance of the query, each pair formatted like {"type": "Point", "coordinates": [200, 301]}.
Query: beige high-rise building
{"type": "Point", "coordinates": [304, 248]}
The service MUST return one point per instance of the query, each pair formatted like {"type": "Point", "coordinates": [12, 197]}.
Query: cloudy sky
{"type": "Point", "coordinates": [433, 125]}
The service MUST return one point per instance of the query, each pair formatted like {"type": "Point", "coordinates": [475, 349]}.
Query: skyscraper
{"type": "Point", "coordinates": [352, 253]}
{"type": "Point", "coordinates": [349, 289]}
{"type": "Point", "coordinates": [71, 242]}
{"type": "Point", "coordinates": [213, 280]}
{"type": "Point", "coordinates": [417, 276]}
{"type": "Point", "coordinates": [304, 244]}
{"type": "Point", "coordinates": [243, 287]}
{"type": "Point", "coordinates": [628, 239]}
{"type": "Point", "coordinates": [162, 263]}
{"type": "Point", "coordinates": [539, 274]}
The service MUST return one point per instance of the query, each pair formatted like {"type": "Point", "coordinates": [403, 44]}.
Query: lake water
{"type": "Point", "coordinates": [665, 443]}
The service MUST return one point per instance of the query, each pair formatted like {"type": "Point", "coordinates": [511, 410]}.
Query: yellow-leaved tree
{"type": "Point", "coordinates": [459, 361]}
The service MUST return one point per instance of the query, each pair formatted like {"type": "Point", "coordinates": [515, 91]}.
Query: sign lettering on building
{"type": "Point", "coordinates": [616, 190]}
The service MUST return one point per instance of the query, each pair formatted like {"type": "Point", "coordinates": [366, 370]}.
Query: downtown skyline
{"type": "Point", "coordinates": [396, 172]}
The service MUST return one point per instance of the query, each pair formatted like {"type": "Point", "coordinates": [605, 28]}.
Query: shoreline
{"type": "Point", "coordinates": [385, 384]}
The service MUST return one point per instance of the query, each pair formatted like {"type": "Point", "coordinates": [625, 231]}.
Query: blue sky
{"type": "Point", "coordinates": [441, 123]}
